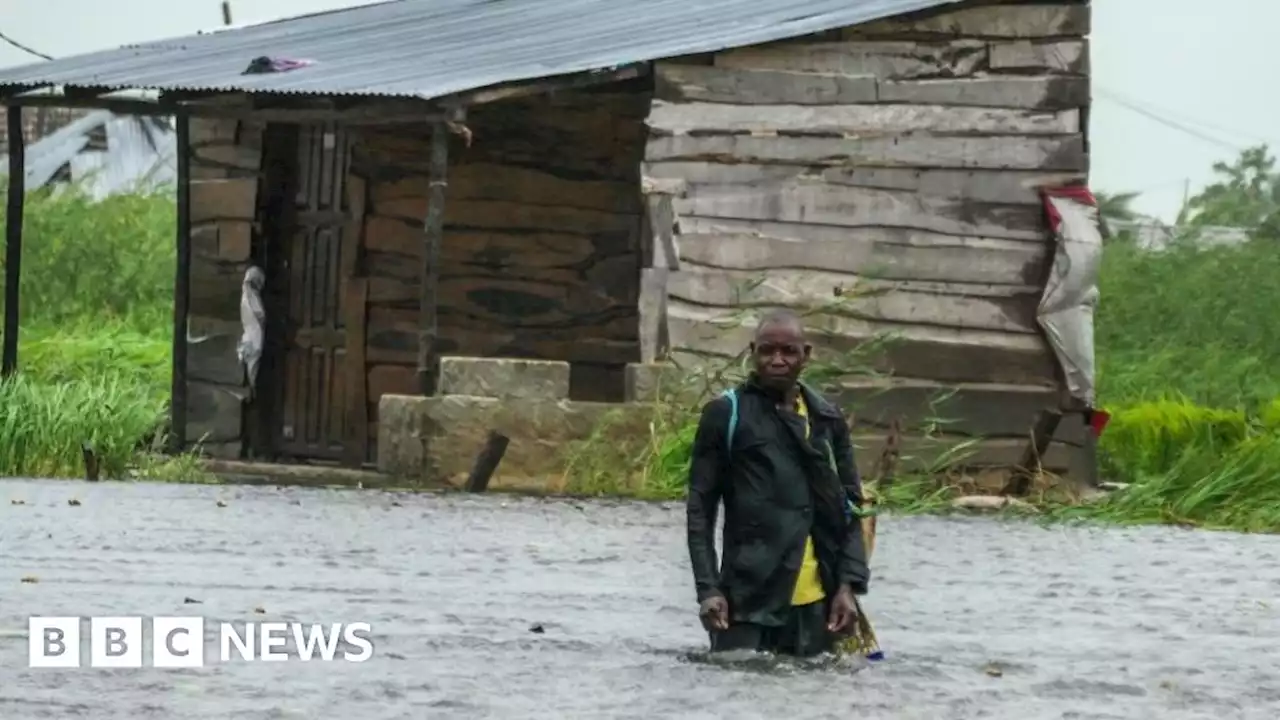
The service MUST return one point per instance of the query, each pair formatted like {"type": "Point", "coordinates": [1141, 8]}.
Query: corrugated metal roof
{"type": "Point", "coordinates": [432, 48]}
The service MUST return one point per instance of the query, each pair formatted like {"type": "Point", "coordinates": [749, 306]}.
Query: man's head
{"type": "Point", "coordinates": [780, 349]}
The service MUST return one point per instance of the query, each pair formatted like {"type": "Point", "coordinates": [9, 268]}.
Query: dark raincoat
{"type": "Point", "coordinates": [777, 488]}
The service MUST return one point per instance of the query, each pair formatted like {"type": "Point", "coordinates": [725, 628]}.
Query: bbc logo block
{"type": "Point", "coordinates": [179, 642]}
{"type": "Point", "coordinates": [115, 642]}
{"type": "Point", "coordinates": [53, 642]}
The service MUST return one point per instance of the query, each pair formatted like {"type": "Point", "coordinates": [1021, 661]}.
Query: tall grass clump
{"type": "Point", "coordinates": [44, 424]}
{"type": "Point", "coordinates": [96, 326]}
{"type": "Point", "coordinates": [97, 262]}
{"type": "Point", "coordinates": [1191, 322]}
{"type": "Point", "coordinates": [1187, 367]}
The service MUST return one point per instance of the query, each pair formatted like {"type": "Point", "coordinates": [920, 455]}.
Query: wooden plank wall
{"type": "Point", "coordinates": [541, 249]}
{"type": "Point", "coordinates": [898, 157]}
{"type": "Point", "coordinates": [225, 164]}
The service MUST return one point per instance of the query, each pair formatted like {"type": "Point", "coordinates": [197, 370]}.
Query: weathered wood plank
{"type": "Point", "coordinates": [393, 339]}
{"type": "Point", "coordinates": [608, 283]}
{"type": "Point", "coordinates": [211, 351]}
{"type": "Point", "coordinates": [618, 323]}
{"type": "Point", "coordinates": [526, 302]}
{"type": "Point", "coordinates": [1013, 264]}
{"type": "Point", "coordinates": [987, 410]}
{"type": "Point", "coordinates": [205, 130]}
{"type": "Point", "coordinates": [526, 250]}
{"type": "Point", "coordinates": [661, 186]}
{"type": "Point", "coordinates": [704, 83]}
{"type": "Point", "coordinates": [990, 21]}
{"type": "Point", "coordinates": [954, 452]}
{"type": "Point", "coordinates": [496, 214]}
{"type": "Point", "coordinates": [940, 354]}
{"type": "Point", "coordinates": [662, 251]}
{"type": "Point", "coordinates": [1006, 187]}
{"type": "Point", "coordinates": [391, 380]}
{"type": "Point", "coordinates": [1019, 187]}
{"type": "Point", "coordinates": [591, 143]}
{"type": "Point", "coordinates": [214, 288]}
{"type": "Point", "coordinates": [1033, 93]}
{"type": "Point", "coordinates": [353, 228]}
{"type": "Point", "coordinates": [224, 199]}
{"type": "Point", "coordinates": [1007, 308]}
{"type": "Point", "coordinates": [694, 225]}
{"type": "Point", "coordinates": [683, 118]}
{"type": "Point", "coordinates": [355, 303]}
{"type": "Point", "coordinates": [509, 183]}
{"type": "Point", "coordinates": [654, 333]}
{"type": "Point", "coordinates": [847, 206]}
{"type": "Point", "coordinates": [487, 181]}
{"type": "Point", "coordinates": [922, 151]}
{"type": "Point", "coordinates": [228, 156]}
{"type": "Point", "coordinates": [397, 235]}
{"type": "Point", "coordinates": [201, 173]}
{"type": "Point", "coordinates": [886, 60]}
{"type": "Point", "coordinates": [213, 412]}
{"type": "Point", "coordinates": [1069, 56]}
{"type": "Point", "coordinates": [697, 172]}
{"type": "Point", "coordinates": [229, 240]}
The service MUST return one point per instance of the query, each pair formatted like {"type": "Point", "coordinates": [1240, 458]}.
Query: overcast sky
{"type": "Point", "coordinates": [1171, 95]}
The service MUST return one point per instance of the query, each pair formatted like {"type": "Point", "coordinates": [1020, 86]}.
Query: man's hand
{"type": "Point", "coordinates": [843, 611]}
{"type": "Point", "coordinates": [714, 613]}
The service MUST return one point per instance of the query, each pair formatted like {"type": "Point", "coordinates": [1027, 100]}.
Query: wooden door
{"type": "Point", "coordinates": [314, 413]}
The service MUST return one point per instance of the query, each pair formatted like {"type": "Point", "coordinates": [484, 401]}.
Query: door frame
{"type": "Point", "coordinates": [271, 249]}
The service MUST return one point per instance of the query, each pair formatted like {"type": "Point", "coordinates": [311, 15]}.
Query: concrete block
{"type": "Point", "coordinates": [504, 378]}
{"type": "Point", "coordinates": [435, 440]}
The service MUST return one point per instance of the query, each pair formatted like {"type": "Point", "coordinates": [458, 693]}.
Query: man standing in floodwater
{"type": "Point", "coordinates": [793, 551]}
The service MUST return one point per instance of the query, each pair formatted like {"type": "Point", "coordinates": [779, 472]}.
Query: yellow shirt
{"type": "Point", "coordinates": [809, 583]}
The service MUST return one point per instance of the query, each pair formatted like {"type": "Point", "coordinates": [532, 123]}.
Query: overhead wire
{"type": "Point", "coordinates": [1185, 124]}
{"type": "Point", "coordinates": [1185, 118]}
{"type": "Point", "coordinates": [24, 48]}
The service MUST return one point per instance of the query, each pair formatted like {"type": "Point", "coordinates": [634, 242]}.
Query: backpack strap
{"type": "Point", "coordinates": [732, 394]}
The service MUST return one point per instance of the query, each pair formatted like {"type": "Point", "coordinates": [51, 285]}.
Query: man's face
{"type": "Point", "coordinates": [780, 353]}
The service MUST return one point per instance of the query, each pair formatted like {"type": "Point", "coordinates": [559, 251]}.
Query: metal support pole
{"type": "Point", "coordinates": [13, 239]}
{"type": "Point", "coordinates": [433, 236]}
{"type": "Point", "coordinates": [181, 285]}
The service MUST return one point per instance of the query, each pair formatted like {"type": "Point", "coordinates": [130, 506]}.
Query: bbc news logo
{"type": "Point", "coordinates": [179, 642]}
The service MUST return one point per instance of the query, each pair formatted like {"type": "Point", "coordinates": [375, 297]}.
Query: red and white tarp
{"type": "Point", "coordinates": [1071, 294]}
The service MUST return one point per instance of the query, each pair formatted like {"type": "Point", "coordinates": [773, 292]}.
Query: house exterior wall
{"type": "Point", "coordinates": [225, 156]}
{"type": "Point", "coordinates": [539, 257]}
{"type": "Point", "coordinates": [38, 122]}
{"type": "Point", "coordinates": [897, 158]}
{"type": "Point", "coordinates": [540, 260]}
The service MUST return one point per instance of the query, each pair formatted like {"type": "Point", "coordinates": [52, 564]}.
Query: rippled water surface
{"type": "Point", "coordinates": [1082, 623]}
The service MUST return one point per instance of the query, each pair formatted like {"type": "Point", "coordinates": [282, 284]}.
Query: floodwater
{"type": "Point", "coordinates": [979, 618]}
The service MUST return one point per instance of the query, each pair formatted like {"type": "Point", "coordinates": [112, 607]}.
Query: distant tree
{"type": "Point", "coordinates": [1247, 195]}
{"type": "Point", "coordinates": [1115, 209]}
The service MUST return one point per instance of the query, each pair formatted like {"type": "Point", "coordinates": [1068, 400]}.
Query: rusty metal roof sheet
{"type": "Point", "coordinates": [433, 48]}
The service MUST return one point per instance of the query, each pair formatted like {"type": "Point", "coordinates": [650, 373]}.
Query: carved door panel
{"type": "Point", "coordinates": [314, 409]}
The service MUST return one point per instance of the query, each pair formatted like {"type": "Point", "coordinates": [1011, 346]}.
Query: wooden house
{"type": "Point", "coordinates": [604, 184]}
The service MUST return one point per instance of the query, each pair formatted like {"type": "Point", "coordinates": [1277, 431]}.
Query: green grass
{"type": "Point", "coordinates": [1195, 323]}
{"type": "Point", "coordinates": [96, 307]}
{"type": "Point", "coordinates": [1187, 365]}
